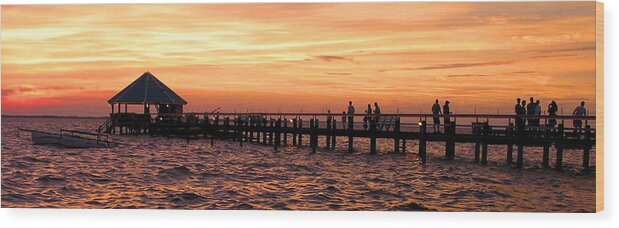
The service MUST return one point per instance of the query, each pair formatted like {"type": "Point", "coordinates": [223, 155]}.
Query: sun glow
{"type": "Point", "coordinates": [69, 59]}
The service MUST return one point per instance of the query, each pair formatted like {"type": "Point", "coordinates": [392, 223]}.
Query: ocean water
{"type": "Point", "coordinates": [148, 172]}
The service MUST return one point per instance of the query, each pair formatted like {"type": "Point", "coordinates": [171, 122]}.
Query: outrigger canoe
{"type": "Point", "coordinates": [71, 139]}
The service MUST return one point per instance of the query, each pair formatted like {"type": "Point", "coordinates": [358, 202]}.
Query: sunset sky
{"type": "Point", "coordinates": [70, 59]}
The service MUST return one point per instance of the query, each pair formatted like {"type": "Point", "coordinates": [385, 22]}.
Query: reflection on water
{"type": "Point", "coordinates": [170, 173]}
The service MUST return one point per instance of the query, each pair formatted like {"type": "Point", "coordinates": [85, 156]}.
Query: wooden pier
{"type": "Point", "coordinates": [277, 129]}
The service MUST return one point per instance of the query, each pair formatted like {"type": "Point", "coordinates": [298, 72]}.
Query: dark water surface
{"type": "Point", "coordinates": [170, 173]}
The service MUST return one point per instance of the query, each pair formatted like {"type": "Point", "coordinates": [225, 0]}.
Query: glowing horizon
{"type": "Point", "coordinates": [70, 59]}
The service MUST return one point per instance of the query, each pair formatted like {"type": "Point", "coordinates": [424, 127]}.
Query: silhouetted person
{"type": "Point", "coordinates": [329, 117]}
{"type": "Point", "coordinates": [351, 111]}
{"type": "Point", "coordinates": [376, 111]}
{"type": "Point", "coordinates": [552, 112]}
{"type": "Point", "coordinates": [522, 112]}
{"type": "Point", "coordinates": [531, 112]}
{"type": "Point", "coordinates": [446, 114]}
{"type": "Point", "coordinates": [518, 109]}
{"type": "Point", "coordinates": [368, 116]}
{"type": "Point", "coordinates": [436, 112]}
{"type": "Point", "coordinates": [580, 111]}
{"type": "Point", "coordinates": [538, 113]}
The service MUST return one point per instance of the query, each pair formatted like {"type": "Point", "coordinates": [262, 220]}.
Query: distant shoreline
{"type": "Point", "coordinates": [54, 116]}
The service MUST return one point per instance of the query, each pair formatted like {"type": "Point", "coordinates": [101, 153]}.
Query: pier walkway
{"type": "Point", "coordinates": [277, 129]}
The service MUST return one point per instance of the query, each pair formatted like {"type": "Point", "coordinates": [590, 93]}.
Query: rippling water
{"type": "Point", "coordinates": [171, 173]}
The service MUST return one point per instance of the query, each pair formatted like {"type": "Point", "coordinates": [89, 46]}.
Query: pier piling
{"type": "Point", "coordinates": [586, 150]}
{"type": "Point", "coordinates": [269, 130]}
{"type": "Point", "coordinates": [351, 129]}
{"type": "Point", "coordinates": [373, 136]}
{"type": "Point", "coordinates": [422, 141]}
{"type": "Point", "coordinates": [484, 146]}
{"type": "Point", "coordinates": [285, 131]}
{"type": "Point", "coordinates": [294, 132]}
{"type": "Point", "coordinates": [300, 136]}
{"type": "Point", "coordinates": [520, 159]}
{"type": "Point", "coordinates": [396, 139]}
{"type": "Point", "coordinates": [559, 147]}
{"type": "Point", "coordinates": [328, 134]}
{"type": "Point", "coordinates": [546, 157]}
{"type": "Point", "coordinates": [313, 135]}
{"type": "Point", "coordinates": [333, 133]}
{"type": "Point", "coordinates": [510, 147]}
{"type": "Point", "coordinates": [450, 145]}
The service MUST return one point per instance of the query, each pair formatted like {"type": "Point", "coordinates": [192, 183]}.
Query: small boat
{"type": "Point", "coordinates": [71, 139]}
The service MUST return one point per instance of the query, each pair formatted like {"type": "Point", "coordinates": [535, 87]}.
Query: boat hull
{"type": "Point", "coordinates": [66, 140]}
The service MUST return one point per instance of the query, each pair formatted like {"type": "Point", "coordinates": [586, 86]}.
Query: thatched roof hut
{"type": "Point", "coordinates": [148, 90]}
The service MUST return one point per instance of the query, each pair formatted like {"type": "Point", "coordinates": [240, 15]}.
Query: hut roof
{"type": "Point", "coordinates": [147, 89]}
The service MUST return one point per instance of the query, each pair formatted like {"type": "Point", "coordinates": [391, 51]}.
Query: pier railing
{"type": "Point", "coordinates": [407, 119]}
{"type": "Point", "coordinates": [562, 132]}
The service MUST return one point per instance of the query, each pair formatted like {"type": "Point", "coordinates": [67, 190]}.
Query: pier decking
{"type": "Point", "coordinates": [277, 129]}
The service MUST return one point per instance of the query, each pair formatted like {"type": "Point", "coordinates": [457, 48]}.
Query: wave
{"type": "Point", "coordinates": [33, 159]}
{"type": "Point", "coordinates": [176, 173]}
{"type": "Point", "coordinates": [49, 179]}
{"type": "Point", "coordinates": [410, 206]}
{"type": "Point", "coordinates": [478, 193]}
{"type": "Point", "coordinates": [185, 197]}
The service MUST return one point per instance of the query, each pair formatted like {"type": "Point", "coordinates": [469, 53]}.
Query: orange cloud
{"type": "Point", "coordinates": [286, 57]}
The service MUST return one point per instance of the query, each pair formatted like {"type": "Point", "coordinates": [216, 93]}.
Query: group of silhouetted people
{"type": "Point", "coordinates": [529, 114]}
{"type": "Point", "coordinates": [369, 114]}
{"type": "Point", "coordinates": [436, 114]}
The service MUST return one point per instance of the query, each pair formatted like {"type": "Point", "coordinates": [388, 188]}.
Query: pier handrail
{"type": "Point", "coordinates": [104, 125]}
{"type": "Point", "coordinates": [418, 115]}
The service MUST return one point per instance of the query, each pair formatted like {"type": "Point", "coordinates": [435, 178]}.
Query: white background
{"type": "Point", "coordinates": [186, 218]}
